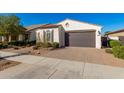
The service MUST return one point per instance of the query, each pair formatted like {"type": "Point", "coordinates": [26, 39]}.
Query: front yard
{"type": "Point", "coordinates": [4, 64]}
{"type": "Point", "coordinates": [89, 55]}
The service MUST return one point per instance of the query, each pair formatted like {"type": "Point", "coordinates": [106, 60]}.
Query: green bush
{"type": "Point", "coordinates": [39, 44]}
{"type": "Point", "coordinates": [3, 45]}
{"type": "Point", "coordinates": [31, 43]}
{"type": "Point", "coordinates": [21, 43]}
{"type": "Point", "coordinates": [44, 45]}
{"type": "Point", "coordinates": [47, 44]}
{"type": "Point", "coordinates": [55, 45]}
{"type": "Point", "coordinates": [113, 43]}
{"type": "Point", "coordinates": [118, 51]}
{"type": "Point", "coordinates": [108, 51]}
{"type": "Point", "coordinates": [13, 42]}
{"type": "Point", "coordinates": [17, 43]}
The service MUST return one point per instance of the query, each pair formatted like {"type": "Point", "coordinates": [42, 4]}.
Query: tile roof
{"type": "Point", "coordinates": [33, 26]}
{"type": "Point", "coordinates": [41, 26]}
{"type": "Point", "coordinates": [117, 31]}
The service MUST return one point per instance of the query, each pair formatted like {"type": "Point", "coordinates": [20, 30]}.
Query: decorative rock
{"type": "Point", "coordinates": [38, 52]}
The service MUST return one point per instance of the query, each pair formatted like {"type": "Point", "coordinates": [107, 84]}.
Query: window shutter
{"type": "Point", "coordinates": [52, 32]}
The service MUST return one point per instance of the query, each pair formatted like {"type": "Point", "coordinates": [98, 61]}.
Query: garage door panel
{"type": "Point", "coordinates": [79, 39]}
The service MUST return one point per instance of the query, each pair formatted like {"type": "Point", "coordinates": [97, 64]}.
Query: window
{"type": "Point", "coordinates": [38, 36]}
{"type": "Point", "coordinates": [49, 35]}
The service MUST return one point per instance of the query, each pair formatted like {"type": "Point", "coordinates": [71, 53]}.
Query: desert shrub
{"type": "Point", "coordinates": [13, 42]}
{"type": "Point", "coordinates": [118, 51]}
{"type": "Point", "coordinates": [113, 43]}
{"type": "Point", "coordinates": [21, 43]}
{"type": "Point", "coordinates": [39, 44]}
{"type": "Point", "coordinates": [5, 46]}
{"type": "Point", "coordinates": [55, 45]}
{"type": "Point", "coordinates": [17, 43]}
{"type": "Point", "coordinates": [31, 43]}
{"type": "Point", "coordinates": [108, 51]}
{"type": "Point", "coordinates": [28, 45]}
{"type": "Point", "coordinates": [16, 47]}
{"type": "Point", "coordinates": [1, 45]}
{"type": "Point", "coordinates": [35, 47]}
{"type": "Point", "coordinates": [47, 44]}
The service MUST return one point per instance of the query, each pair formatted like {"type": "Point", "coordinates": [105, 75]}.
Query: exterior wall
{"type": "Point", "coordinates": [32, 36]}
{"type": "Point", "coordinates": [20, 38]}
{"type": "Point", "coordinates": [61, 36]}
{"type": "Point", "coordinates": [98, 39]}
{"type": "Point", "coordinates": [113, 37]}
{"type": "Point", "coordinates": [117, 34]}
{"type": "Point", "coordinates": [76, 25]}
{"type": "Point", "coordinates": [40, 37]}
{"type": "Point", "coordinates": [58, 35]}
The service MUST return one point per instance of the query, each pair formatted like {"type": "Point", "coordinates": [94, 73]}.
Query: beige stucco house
{"type": "Point", "coordinates": [67, 33]}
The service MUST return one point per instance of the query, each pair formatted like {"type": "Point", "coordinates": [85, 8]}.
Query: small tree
{"type": "Point", "coordinates": [10, 25]}
{"type": "Point", "coordinates": [105, 34]}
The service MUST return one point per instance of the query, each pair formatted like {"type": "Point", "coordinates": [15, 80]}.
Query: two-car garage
{"type": "Point", "coordinates": [81, 34]}
{"type": "Point", "coordinates": [80, 38]}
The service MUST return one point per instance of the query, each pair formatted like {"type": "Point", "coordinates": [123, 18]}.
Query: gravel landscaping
{"type": "Point", "coordinates": [30, 50]}
{"type": "Point", "coordinates": [4, 64]}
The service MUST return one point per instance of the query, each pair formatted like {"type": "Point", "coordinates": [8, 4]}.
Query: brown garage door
{"type": "Point", "coordinates": [81, 39]}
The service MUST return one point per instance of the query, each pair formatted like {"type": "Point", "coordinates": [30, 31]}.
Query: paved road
{"type": "Point", "coordinates": [34, 67]}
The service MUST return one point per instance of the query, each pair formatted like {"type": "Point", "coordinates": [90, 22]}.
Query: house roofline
{"type": "Point", "coordinates": [81, 22]}
{"type": "Point", "coordinates": [117, 31]}
{"type": "Point", "coordinates": [44, 26]}
{"type": "Point", "coordinates": [87, 30]}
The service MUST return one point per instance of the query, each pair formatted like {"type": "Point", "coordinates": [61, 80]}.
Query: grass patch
{"type": "Point", "coordinates": [4, 64]}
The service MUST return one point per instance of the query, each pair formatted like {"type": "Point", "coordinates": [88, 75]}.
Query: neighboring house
{"type": "Point", "coordinates": [10, 38]}
{"type": "Point", "coordinates": [116, 35]}
{"type": "Point", "coordinates": [67, 33]}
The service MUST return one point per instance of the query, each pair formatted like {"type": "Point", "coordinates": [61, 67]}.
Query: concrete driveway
{"type": "Point", "coordinates": [87, 55]}
{"type": "Point", "coordinates": [35, 67]}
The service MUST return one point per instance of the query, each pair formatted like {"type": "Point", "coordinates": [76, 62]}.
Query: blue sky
{"type": "Point", "coordinates": [109, 21]}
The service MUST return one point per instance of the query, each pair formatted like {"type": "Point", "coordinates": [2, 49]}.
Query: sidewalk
{"type": "Point", "coordinates": [35, 67]}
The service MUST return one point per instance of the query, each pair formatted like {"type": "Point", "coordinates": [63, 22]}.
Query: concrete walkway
{"type": "Point", "coordinates": [35, 67]}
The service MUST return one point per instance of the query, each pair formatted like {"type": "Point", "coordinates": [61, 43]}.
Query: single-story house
{"type": "Point", "coordinates": [116, 35]}
{"type": "Point", "coordinates": [67, 33]}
